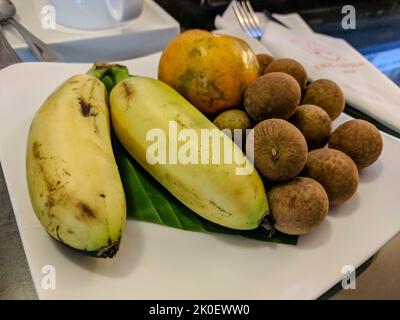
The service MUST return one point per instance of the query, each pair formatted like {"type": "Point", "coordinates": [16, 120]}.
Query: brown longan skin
{"type": "Point", "coordinates": [360, 140]}
{"type": "Point", "coordinates": [298, 206]}
{"type": "Point", "coordinates": [289, 66]}
{"type": "Point", "coordinates": [335, 171]}
{"type": "Point", "coordinates": [264, 60]}
{"type": "Point", "coordinates": [327, 95]}
{"type": "Point", "coordinates": [233, 119]}
{"type": "Point", "coordinates": [314, 123]}
{"type": "Point", "coordinates": [280, 150]}
{"type": "Point", "coordinates": [273, 95]}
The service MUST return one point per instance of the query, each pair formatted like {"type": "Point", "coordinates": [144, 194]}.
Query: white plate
{"type": "Point", "coordinates": [157, 262]}
{"type": "Point", "coordinates": [147, 34]}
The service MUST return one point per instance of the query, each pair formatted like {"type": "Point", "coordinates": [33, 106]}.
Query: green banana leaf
{"type": "Point", "coordinates": [148, 200]}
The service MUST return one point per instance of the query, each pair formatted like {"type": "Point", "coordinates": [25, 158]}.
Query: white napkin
{"type": "Point", "coordinates": [365, 87]}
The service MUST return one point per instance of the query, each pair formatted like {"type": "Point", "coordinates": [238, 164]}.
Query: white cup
{"type": "Point", "coordinates": [95, 14]}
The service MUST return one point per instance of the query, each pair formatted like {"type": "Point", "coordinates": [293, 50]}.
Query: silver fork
{"type": "Point", "coordinates": [247, 18]}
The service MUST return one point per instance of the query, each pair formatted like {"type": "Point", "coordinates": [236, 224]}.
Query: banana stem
{"type": "Point", "coordinates": [109, 74]}
{"type": "Point", "coordinates": [267, 224]}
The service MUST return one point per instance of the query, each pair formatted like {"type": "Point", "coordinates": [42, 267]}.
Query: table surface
{"type": "Point", "coordinates": [15, 278]}
{"type": "Point", "coordinates": [380, 280]}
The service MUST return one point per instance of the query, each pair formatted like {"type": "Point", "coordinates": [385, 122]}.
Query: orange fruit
{"type": "Point", "coordinates": [212, 71]}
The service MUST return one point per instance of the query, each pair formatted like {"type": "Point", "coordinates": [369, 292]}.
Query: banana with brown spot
{"type": "Point", "coordinates": [73, 180]}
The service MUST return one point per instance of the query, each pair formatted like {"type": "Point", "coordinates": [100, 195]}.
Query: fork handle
{"type": "Point", "coordinates": [8, 55]}
{"type": "Point", "coordinates": [41, 50]}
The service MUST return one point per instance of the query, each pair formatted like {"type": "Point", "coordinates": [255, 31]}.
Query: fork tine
{"type": "Point", "coordinates": [254, 18]}
{"type": "Point", "coordinates": [242, 21]}
{"type": "Point", "coordinates": [247, 18]}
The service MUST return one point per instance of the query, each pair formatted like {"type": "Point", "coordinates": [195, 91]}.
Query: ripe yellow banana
{"type": "Point", "coordinates": [73, 180]}
{"type": "Point", "coordinates": [215, 191]}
